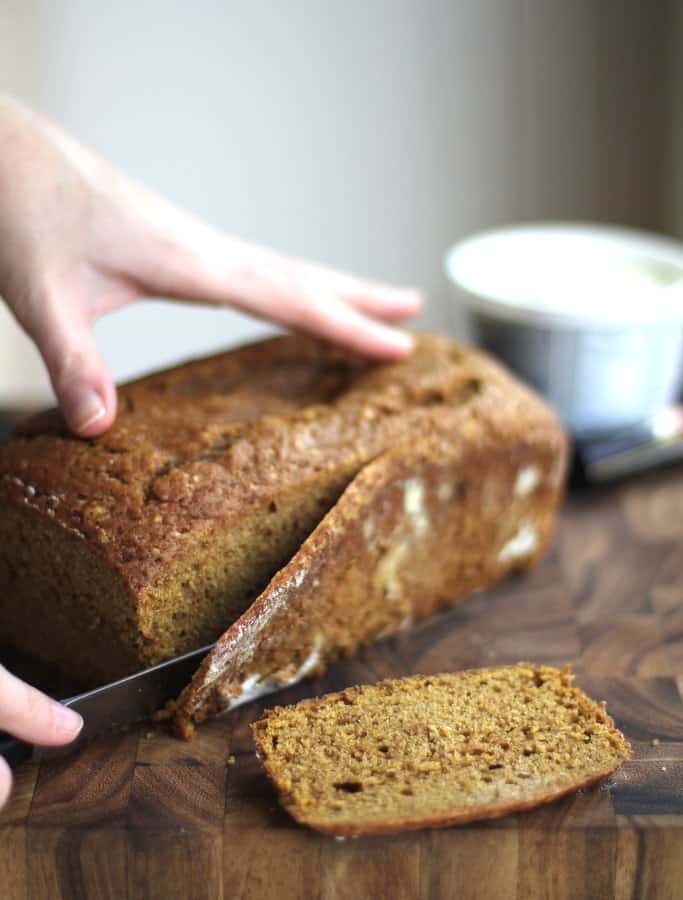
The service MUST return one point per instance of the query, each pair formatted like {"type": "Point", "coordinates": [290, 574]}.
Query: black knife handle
{"type": "Point", "coordinates": [14, 750]}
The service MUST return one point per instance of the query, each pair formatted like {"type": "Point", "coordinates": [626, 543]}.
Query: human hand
{"type": "Point", "coordinates": [78, 239]}
{"type": "Point", "coordinates": [31, 716]}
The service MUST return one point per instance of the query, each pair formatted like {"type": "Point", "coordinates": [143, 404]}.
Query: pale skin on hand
{"type": "Point", "coordinates": [30, 715]}
{"type": "Point", "coordinates": [79, 239]}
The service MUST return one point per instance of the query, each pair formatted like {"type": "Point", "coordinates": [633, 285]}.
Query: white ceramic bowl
{"type": "Point", "coordinates": [589, 315]}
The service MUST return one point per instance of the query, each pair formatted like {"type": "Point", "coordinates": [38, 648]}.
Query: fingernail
{"type": "Point", "coordinates": [87, 409]}
{"type": "Point", "coordinates": [67, 721]}
{"type": "Point", "coordinates": [393, 343]}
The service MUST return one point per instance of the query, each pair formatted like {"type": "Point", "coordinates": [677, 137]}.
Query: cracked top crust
{"type": "Point", "coordinates": [194, 446]}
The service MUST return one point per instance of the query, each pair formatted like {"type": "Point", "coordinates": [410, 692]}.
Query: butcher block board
{"type": "Point", "coordinates": [142, 815]}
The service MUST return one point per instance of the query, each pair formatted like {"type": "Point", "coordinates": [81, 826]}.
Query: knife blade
{"type": "Point", "coordinates": [115, 706]}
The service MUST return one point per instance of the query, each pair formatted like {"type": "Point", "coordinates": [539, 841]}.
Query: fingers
{"type": "Point", "coordinates": [327, 317]}
{"type": "Point", "coordinates": [31, 716]}
{"type": "Point", "coordinates": [390, 304]}
{"type": "Point", "coordinates": [79, 376]}
{"type": "Point", "coordinates": [373, 298]}
{"type": "Point", "coordinates": [328, 304]}
{"type": "Point", "coordinates": [166, 252]}
{"type": "Point", "coordinates": [290, 294]}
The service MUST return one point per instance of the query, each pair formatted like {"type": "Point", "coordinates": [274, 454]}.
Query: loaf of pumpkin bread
{"type": "Point", "coordinates": [300, 497]}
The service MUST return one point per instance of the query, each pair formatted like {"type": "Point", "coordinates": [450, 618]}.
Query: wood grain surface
{"type": "Point", "coordinates": [142, 815]}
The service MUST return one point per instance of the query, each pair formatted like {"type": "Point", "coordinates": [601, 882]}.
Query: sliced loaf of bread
{"type": "Point", "coordinates": [437, 750]}
{"type": "Point", "coordinates": [151, 540]}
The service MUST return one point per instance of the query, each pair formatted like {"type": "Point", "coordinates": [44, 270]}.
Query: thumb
{"type": "Point", "coordinates": [32, 716]}
{"type": "Point", "coordinates": [80, 378]}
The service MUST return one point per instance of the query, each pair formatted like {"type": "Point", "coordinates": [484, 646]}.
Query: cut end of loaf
{"type": "Point", "coordinates": [431, 751]}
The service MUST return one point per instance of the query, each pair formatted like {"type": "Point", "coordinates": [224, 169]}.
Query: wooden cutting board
{"type": "Point", "coordinates": [143, 815]}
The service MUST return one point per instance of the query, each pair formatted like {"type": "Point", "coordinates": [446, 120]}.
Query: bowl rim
{"type": "Point", "coordinates": [658, 247]}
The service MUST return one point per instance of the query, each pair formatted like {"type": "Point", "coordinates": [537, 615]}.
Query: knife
{"type": "Point", "coordinates": [114, 706]}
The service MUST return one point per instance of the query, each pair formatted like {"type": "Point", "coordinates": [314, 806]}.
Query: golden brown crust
{"type": "Point", "coordinates": [192, 445]}
{"type": "Point", "coordinates": [189, 448]}
{"type": "Point", "coordinates": [457, 817]}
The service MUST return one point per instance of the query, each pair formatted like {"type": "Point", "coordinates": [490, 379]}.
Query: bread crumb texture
{"type": "Point", "coordinates": [430, 751]}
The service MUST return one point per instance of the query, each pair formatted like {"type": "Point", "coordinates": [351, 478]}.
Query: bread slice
{"type": "Point", "coordinates": [420, 528]}
{"type": "Point", "coordinates": [432, 751]}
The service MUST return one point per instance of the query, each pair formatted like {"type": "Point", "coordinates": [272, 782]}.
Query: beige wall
{"type": "Point", "coordinates": [21, 374]}
{"type": "Point", "coordinates": [675, 80]}
{"type": "Point", "coordinates": [367, 135]}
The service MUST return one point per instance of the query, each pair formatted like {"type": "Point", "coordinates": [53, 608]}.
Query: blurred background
{"type": "Point", "coordinates": [367, 135]}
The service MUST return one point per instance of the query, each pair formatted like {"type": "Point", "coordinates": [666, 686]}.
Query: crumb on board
{"type": "Point", "coordinates": [165, 713]}
{"type": "Point", "coordinates": [183, 729]}
{"type": "Point", "coordinates": [231, 760]}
